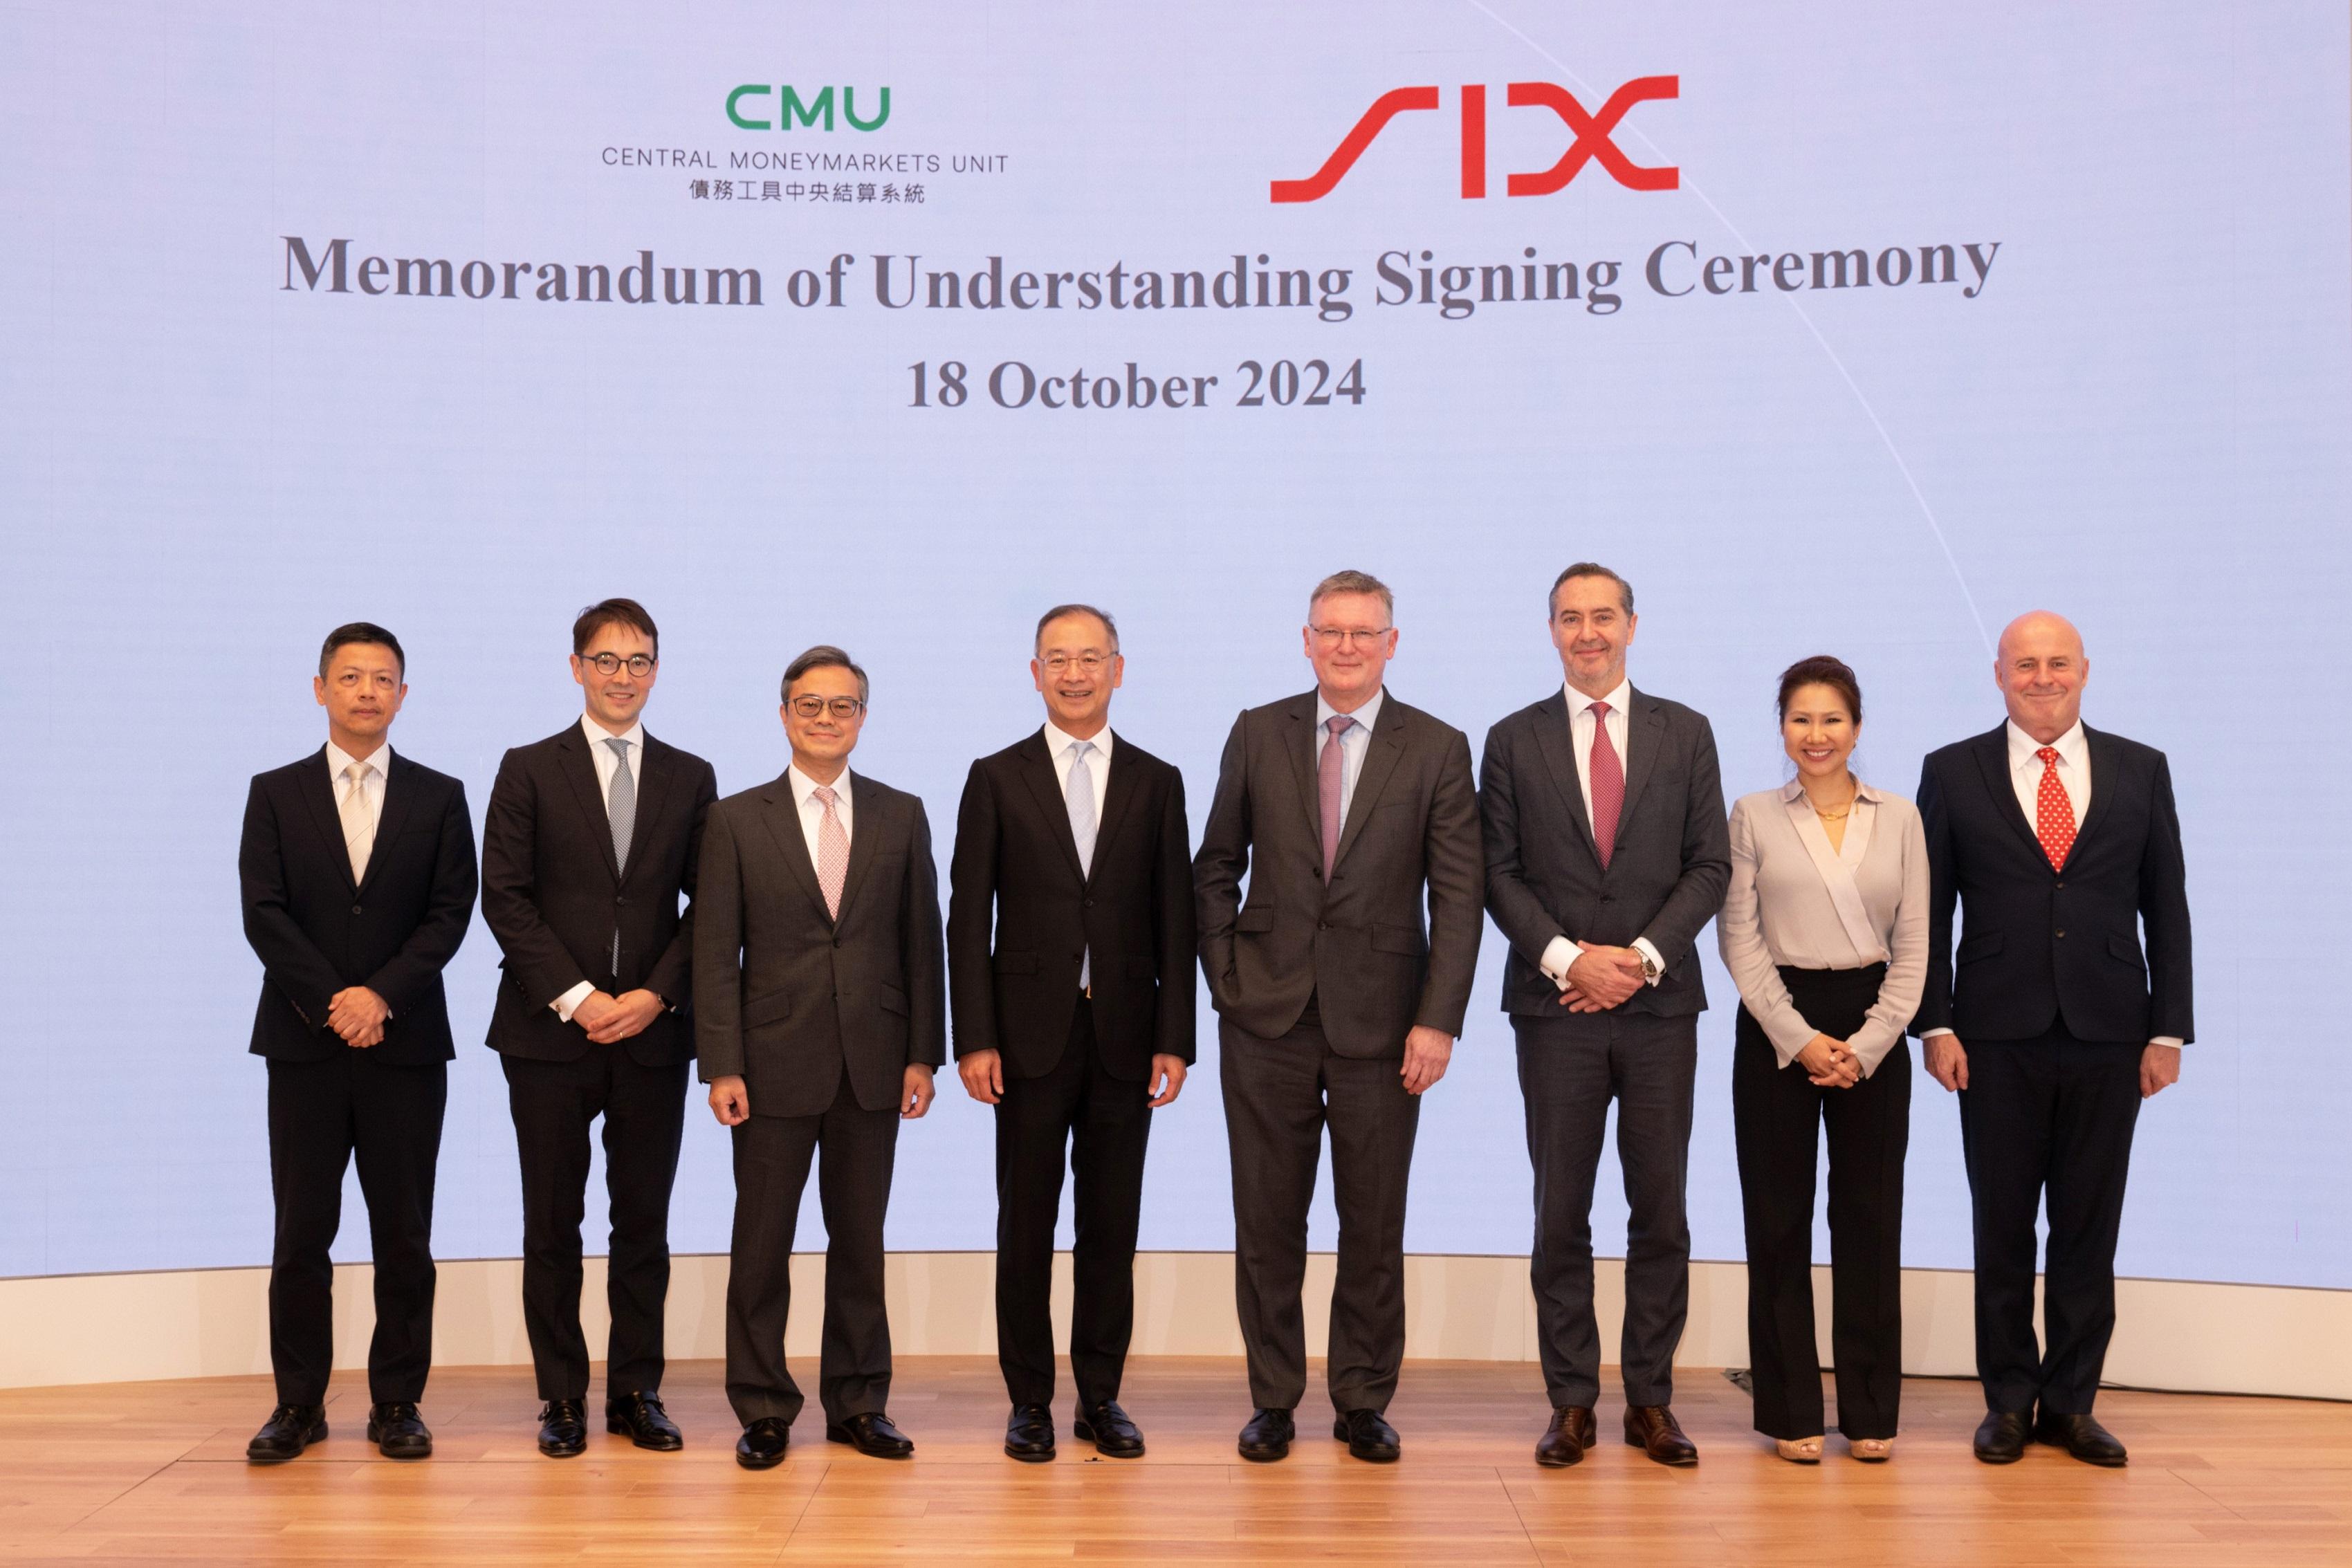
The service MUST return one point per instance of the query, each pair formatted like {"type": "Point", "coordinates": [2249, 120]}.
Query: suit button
{"type": "Point", "coordinates": [620, 899]}
{"type": "Point", "coordinates": [1090, 903]}
{"type": "Point", "coordinates": [355, 909]}
{"type": "Point", "coordinates": [1323, 925]}
{"type": "Point", "coordinates": [836, 941]}
{"type": "Point", "coordinates": [2061, 933]}
{"type": "Point", "coordinates": [2062, 883]}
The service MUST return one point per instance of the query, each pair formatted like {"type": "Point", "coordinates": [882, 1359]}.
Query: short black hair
{"type": "Point", "coordinates": [360, 632]}
{"type": "Point", "coordinates": [1059, 611]}
{"type": "Point", "coordinates": [824, 655]}
{"type": "Point", "coordinates": [613, 612]}
{"type": "Point", "coordinates": [1591, 569]}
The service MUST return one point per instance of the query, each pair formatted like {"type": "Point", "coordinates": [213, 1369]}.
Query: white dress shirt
{"type": "Point", "coordinates": [1582, 722]}
{"type": "Point", "coordinates": [2025, 771]}
{"type": "Point", "coordinates": [1794, 901]}
{"type": "Point", "coordinates": [1355, 743]}
{"type": "Point", "coordinates": [339, 762]}
{"type": "Point", "coordinates": [811, 809]}
{"type": "Point", "coordinates": [1059, 744]}
{"type": "Point", "coordinates": [607, 765]}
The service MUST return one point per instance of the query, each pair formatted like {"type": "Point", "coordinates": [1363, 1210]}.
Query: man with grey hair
{"type": "Point", "coordinates": [820, 1004]}
{"type": "Point", "coordinates": [1338, 1006]}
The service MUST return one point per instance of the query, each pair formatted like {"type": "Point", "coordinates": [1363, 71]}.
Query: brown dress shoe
{"type": "Point", "coordinates": [1653, 1429]}
{"type": "Point", "coordinates": [1570, 1433]}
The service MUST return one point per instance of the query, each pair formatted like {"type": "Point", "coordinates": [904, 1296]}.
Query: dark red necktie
{"type": "Point", "coordinates": [1608, 785]}
{"type": "Point", "coordinates": [2054, 817]}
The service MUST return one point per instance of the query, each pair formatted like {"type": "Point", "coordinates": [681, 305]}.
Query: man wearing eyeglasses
{"type": "Point", "coordinates": [1338, 1007]}
{"type": "Point", "coordinates": [589, 847]}
{"type": "Point", "coordinates": [820, 1004]}
{"type": "Point", "coordinates": [1070, 941]}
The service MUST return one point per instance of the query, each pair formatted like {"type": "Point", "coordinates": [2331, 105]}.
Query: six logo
{"type": "Point", "coordinates": [1592, 142]}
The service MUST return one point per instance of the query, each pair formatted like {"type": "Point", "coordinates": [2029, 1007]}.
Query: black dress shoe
{"type": "Point", "coordinates": [1572, 1432]}
{"type": "Point", "coordinates": [762, 1445]}
{"type": "Point", "coordinates": [2001, 1436]}
{"type": "Point", "coordinates": [641, 1418]}
{"type": "Point", "coordinates": [1266, 1436]}
{"type": "Point", "coordinates": [1029, 1434]}
{"type": "Point", "coordinates": [563, 1428]}
{"type": "Point", "coordinates": [2081, 1437]}
{"type": "Point", "coordinates": [1368, 1437]}
{"type": "Point", "coordinates": [871, 1434]}
{"type": "Point", "coordinates": [398, 1431]}
{"type": "Point", "coordinates": [290, 1429]}
{"type": "Point", "coordinates": [1653, 1429]}
{"type": "Point", "coordinates": [1108, 1430]}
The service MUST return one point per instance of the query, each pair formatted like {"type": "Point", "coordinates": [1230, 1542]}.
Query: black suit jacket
{"type": "Point", "coordinates": [2042, 945]}
{"type": "Point", "coordinates": [1668, 870]}
{"type": "Point", "coordinates": [553, 896]}
{"type": "Point", "coordinates": [1358, 946]}
{"type": "Point", "coordinates": [1014, 989]}
{"type": "Point", "coordinates": [790, 998]}
{"type": "Point", "coordinates": [316, 932]}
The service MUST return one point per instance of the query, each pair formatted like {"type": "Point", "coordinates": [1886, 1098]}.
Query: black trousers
{"type": "Point", "coordinates": [1777, 1115]}
{"type": "Point", "coordinates": [855, 1149]}
{"type": "Point", "coordinates": [644, 1108]}
{"type": "Point", "coordinates": [1104, 1123]}
{"type": "Point", "coordinates": [1279, 1096]}
{"type": "Point", "coordinates": [321, 1115]}
{"type": "Point", "coordinates": [1570, 1067]}
{"type": "Point", "coordinates": [2047, 1120]}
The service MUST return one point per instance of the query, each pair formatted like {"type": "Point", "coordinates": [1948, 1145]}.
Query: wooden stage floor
{"type": "Point", "coordinates": [154, 1473]}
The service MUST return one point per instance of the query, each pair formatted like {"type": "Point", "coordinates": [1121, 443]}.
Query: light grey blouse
{"type": "Point", "coordinates": [1794, 901]}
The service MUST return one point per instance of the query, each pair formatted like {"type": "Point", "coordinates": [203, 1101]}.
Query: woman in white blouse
{"type": "Point", "coordinates": [1824, 930]}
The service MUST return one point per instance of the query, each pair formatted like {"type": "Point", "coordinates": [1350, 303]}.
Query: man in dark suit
{"type": "Point", "coordinates": [820, 1004]}
{"type": "Point", "coordinates": [1607, 854]}
{"type": "Point", "coordinates": [1338, 1006]}
{"type": "Point", "coordinates": [1070, 944]}
{"type": "Point", "coordinates": [358, 877]}
{"type": "Point", "coordinates": [590, 843]}
{"type": "Point", "coordinates": [2060, 845]}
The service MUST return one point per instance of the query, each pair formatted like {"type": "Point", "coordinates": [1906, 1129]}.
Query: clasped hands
{"type": "Point", "coordinates": [358, 1015]}
{"type": "Point", "coordinates": [609, 1017]}
{"type": "Point", "coordinates": [1600, 977]}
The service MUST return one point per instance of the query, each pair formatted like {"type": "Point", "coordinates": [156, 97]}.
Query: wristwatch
{"type": "Point", "coordinates": [1650, 970]}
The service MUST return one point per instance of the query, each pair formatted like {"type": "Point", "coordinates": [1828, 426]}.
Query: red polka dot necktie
{"type": "Point", "coordinates": [2054, 817]}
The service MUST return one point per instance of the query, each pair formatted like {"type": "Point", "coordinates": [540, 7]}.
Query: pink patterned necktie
{"type": "Point", "coordinates": [1330, 774]}
{"type": "Point", "coordinates": [832, 850]}
{"type": "Point", "coordinates": [2053, 818]}
{"type": "Point", "coordinates": [1608, 785]}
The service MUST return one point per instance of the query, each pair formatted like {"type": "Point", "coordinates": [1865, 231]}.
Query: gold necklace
{"type": "Point", "coordinates": [1837, 816]}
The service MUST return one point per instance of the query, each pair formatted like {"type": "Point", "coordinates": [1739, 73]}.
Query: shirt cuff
{"type": "Point", "coordinates": [1642, 946]}
{"type": "Point", "coordinates": [569, 1002]}
{"type": "Point", "coordinates": [1557, 955]}
{"type": "Point", "coordinates": [2171, 1039]}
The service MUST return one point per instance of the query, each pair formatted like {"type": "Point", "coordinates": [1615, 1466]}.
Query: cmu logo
{"type": "Point", "coordinates": [790, 107]}
{"type": "Point", "coordinates": [1591, 141]}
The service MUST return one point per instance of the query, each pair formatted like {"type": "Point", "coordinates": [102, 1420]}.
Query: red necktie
{"type": "Point", "coordinates": [2053, 818]}
{"type": "Point", "coordinates": [1608, 785]}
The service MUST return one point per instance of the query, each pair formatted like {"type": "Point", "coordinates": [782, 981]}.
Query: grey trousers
{"type": "Point", "coordinates": [1279, 1096]}
{"type": "Point", "coordinates": [1570, 1067]}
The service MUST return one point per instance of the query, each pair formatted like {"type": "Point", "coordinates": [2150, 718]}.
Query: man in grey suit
{"type": "Point", "coordinates": [1606, 855]}
{"type": "Point", "coordinates": [820, 1002]}
{"type": "Point", "coordinates": [1338, 1007]}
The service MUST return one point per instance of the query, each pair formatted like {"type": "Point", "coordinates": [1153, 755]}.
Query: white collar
{"type": "Point", "coordinates": [802, 785]}
{"type": "Point", "coordinates": [1058, 740]}
{"type": "Point", "coordinates": [1861, 791]}
{"type": "Point", "coordinates": [597, 735]}
{"type": "Point", "coordinates": [2073, 748]}
{"type": "Point", "coordinates": [338, 760]}
{"type": "Point", "coordinates": [1366, 717]}
{"type": "Point", "coordinates": [1619, 701]}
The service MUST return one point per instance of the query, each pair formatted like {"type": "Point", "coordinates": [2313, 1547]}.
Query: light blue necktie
{"type": "Point", "coordinates": [621, 806]}
{"type": "Point", "coordinates": [1079, 795]}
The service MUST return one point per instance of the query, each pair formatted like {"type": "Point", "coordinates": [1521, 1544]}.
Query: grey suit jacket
{"type": "Point", "coordinates": [790, 998]}
{"type": "Point", "coordinates": [1666, 873]}
{"type": "Point", "coordinates": [1358, 946]}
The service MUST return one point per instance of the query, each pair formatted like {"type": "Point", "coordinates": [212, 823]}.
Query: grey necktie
{"type": "Point", "coordinates": [1079, 795]}
{"type": "Point", "coordinates": [621, 806]}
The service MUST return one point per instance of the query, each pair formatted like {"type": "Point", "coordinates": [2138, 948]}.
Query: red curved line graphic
{"type": "Point", "coordinates": [1385, 107]}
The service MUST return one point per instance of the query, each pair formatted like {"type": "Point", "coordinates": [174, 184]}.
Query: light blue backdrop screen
{"type": "Point", "coordinates": [2137, 417]}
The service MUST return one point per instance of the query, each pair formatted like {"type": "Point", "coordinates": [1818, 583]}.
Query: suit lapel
{"type": "Point", "coordinates": [1387, 745]}
{"type": "Point", "coordinates": [1301, 743]}
{"type": "Point", "coordinates": [1116, 793]}
{"type": "Point", "coordinates": [652, 783]}
{"type": "Point", "coordinates": [319, 794]}
{"type": "Point", "coordinates": [1645, 735]}
{"type": "Point", "coordinates": [1992, 758]}
{"type": "Point", "coordinates": [399, 794]}
{"type": "Point", "coordinates": [2104, 763]}
{"type": "Point", "coordinates": [1037, 773]}
{"type": "Point", "coordinates": [784, 819]}
{"type": "Point", "coordinates": [1558, 744]}
{"type": "Point", "coordinates": [865, 808]}
{"type": "Point", "coordinates": [579, 770]}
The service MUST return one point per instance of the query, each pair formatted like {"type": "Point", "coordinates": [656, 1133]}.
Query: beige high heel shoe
{"type": "Point", "coordinates": [1798, 1450]}
{"type": "Point", "coordinates": [1873, 1451]}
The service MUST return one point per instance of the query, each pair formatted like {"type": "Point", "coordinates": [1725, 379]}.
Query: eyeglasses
{"type": "Point", "coordinates": [1063, 663]}
{"type": "Point", "coordinates": [843, 708]}
{"type": "Point", "coordinates": [1344, 637]}
{"type": "Point", "coordinates": [640, 664]}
